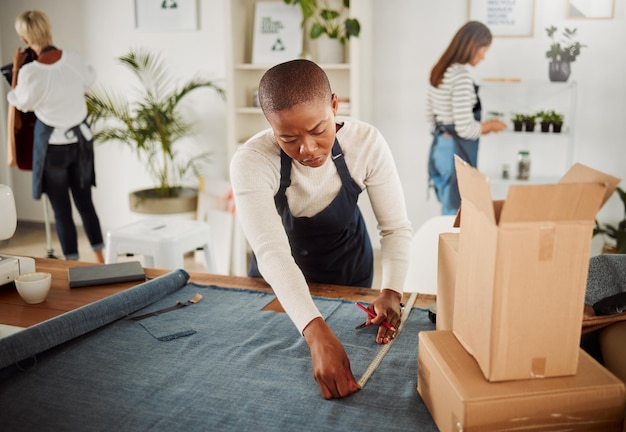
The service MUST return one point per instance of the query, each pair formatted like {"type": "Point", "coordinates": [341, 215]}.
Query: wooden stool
{"type": "Point", "coordinates": [162, 242]}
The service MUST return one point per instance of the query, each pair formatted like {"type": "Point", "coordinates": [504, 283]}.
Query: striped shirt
{"type": "Point", "coordinates": [452, 102]}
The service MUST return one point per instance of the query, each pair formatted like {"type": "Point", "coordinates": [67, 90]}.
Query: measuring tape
{"type": "Point", "coordinates": [385, 348]}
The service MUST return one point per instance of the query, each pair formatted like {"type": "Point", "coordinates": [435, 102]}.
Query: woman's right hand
{"type": "Point", "coordinates": [331, 366]}
{"type": "Point", "coordinates": [492, 125]}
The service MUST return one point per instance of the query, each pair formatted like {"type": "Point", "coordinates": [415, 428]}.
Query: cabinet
{"type": "Point", "coordinates": [244, 119]}
{"type": "Point", "coordinates": [551, 153]}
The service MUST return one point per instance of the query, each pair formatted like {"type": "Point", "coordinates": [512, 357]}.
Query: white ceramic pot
{"type": "Point", "coordinates": [329, 51]}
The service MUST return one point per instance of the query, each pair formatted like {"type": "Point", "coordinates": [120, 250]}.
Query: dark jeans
{"type": "Point", "coordinates": [60, 176]}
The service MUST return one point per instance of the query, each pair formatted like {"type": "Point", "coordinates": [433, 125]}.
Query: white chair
{"type": "Point", "coordinates": [162, 241]}
{"type": "Point", "coordinates": [422, 274]}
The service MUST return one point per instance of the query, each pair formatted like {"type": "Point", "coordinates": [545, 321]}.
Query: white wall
{"type": "Point", "coordinates": [407, 37]}
{"type": "Point", "coordinates": [411, 35]}
{"type": "Point", "coordinates": [102, 31]}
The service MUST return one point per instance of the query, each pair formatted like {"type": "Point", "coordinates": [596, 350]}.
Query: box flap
{"type": "Point", "coordinates": [497, 209]}
{"type": "Point", "coordinates": [580, 173]}
{"type": "Point", "coordinates": [474, 187]}
{"type": "Point", "coordinates": [558, 202]}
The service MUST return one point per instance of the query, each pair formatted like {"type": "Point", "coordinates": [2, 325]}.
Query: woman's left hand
{"type": "Point", "coordinates": [387, 308]}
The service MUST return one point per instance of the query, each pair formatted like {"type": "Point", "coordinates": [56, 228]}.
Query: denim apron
{"type": "Point", "coordinates": [441, 172]}
{"type": "Point", "coordinates": [333, 246]}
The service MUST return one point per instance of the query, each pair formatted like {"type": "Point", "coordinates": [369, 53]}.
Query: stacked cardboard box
{"type": "Point", "coordinates": [460, 398]}
{"type": "Point", "coordinates": [512, 287]}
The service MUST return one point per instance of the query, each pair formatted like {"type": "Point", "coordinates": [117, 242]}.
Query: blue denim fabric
{"type": "Point", "coordinates": [166, 328]}
{"type": "Point", "coordinates": [70, 325]}
{"type": "Point", "coordinates": [441, 170]}
{"type": "Point", "coordinates": [41, 137]}
{"type": "Point", "coordinates": [244, 369]}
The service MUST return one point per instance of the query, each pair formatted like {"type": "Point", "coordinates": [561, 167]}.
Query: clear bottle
{"type": "Point", "coordinates": [523, 165]}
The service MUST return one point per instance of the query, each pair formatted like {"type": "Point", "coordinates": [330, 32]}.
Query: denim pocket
{"type": "Point", "coordinates": [60, 156]}
{"type": "Point", "coordinates": [166, 327]}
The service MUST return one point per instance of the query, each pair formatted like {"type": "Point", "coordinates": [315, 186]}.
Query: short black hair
{"type": "Point", "coordinates": [292, 83]}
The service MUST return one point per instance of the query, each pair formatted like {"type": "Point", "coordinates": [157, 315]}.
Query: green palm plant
{"type": "Point", "coordinates": [151, 123]}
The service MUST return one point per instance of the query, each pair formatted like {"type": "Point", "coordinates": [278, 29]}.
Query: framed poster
{"type": "Point", "coordinates": [512, 18]}
{"type": "Point", "coordinates": [156, 15]}
{"type": "Point", "coordinates": [593, 9]}
{"type": "Point", "coordinates": [277, 35]}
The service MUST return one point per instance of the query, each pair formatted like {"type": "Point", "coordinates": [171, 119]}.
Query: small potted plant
{"type": "Point", "coordinates": [332, 23]}
{"type": "Point", "coordinates": [615, 232]}
{"type": "Point", "coordinates": [518, 121]}
{"type": "Point", "coordinates": [545, 120]}
{"type": "Point", "coordinates": [562, 52]}
{"type": "Point", "coordinates": [529, 122]}
{"type": "Point", "coordinates": [557, 121]}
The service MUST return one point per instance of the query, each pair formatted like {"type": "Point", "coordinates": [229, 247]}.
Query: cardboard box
{"type": "Point", "coordinates": [522, 271]}
{"type": "Point", "coordinates": [446, 279]}
{"type": "Point", "coordinates": [459, 397]}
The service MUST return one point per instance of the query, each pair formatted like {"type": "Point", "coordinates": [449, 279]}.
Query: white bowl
{"type": "Point", "coordinates": [33, 287]}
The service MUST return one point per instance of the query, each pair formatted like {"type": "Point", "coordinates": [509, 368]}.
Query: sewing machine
{"type": "Point", "coordinates": [10, 266]}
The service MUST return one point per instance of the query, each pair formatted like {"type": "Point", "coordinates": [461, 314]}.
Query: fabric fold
{"type": "Point", "coordinates": [55, 331]}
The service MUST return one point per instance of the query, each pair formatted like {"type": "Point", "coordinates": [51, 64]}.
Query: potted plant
{"type": "Point", "coordinates": [334, 24]}
{"type": "Point", "coordinates": [545, 120]}
{"type": "Point", "coordinates": [557, 121]}
{"type": "Point", "coordinates": [518, 122]}
{"type": "Point", "coordinates": [616, 232]}
{"type": "Point", "coordinates": [151, 124]}
{"type": "Point", "coordinates": [529, 122]}
{"type": "Point", "coordinates": [562, 52]}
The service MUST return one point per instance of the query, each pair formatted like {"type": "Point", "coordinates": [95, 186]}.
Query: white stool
{"type": "Point", "coordinates": [162, 242]}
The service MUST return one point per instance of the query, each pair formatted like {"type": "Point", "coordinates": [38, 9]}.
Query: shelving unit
{"type": "Point", "coordinates": [243, 118]}
{"type": "Point", "coordinates": [551, 153]}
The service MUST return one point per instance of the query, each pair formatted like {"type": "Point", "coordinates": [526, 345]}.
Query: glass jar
{"type": "Point", "coordinates": [523, 165]}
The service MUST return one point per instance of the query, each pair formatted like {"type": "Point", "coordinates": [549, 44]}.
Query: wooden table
{"type": "Point", "coordinates": [14, 311]}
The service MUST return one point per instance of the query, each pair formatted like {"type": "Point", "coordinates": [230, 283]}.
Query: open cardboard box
{"type": "Point", "coordinates": [522, 271]}
{"type": "Point", "coordinates": [447, 254]}
{"type": "Point", "coordinates": [459, 397]}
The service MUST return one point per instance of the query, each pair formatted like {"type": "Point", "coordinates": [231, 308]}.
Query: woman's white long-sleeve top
{"type": "Point", "coordinates": [255, 177]}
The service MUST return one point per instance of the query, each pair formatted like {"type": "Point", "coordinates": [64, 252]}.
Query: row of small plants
{"type": "Point", "coordinates": [547, 120]}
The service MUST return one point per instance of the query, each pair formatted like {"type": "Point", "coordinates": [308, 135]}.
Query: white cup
{"type": "Point", "coordinates": [33, 287]}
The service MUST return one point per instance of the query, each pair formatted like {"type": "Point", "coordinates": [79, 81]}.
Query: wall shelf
{"type": "Point", "coordinates": [244, 119]}
{"type": "Point", "coordinates": [551, 153]}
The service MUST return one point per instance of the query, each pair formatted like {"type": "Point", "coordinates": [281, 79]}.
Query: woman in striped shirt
{"type": "Point", "coordinates": [454, 109]}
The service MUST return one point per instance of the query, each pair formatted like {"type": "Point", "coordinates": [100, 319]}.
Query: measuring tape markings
{"type": "Point", "coordinates": [385, 348]}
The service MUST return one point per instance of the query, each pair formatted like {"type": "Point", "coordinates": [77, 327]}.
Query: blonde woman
{"type": "Point", "coordinates": [53, 87]}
